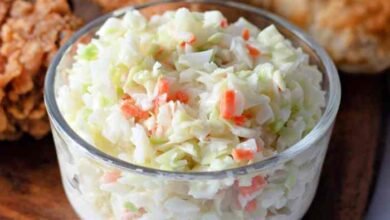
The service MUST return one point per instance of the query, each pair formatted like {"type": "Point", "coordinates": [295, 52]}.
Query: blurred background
{"type": "Point", "coordinates": [356, 33]}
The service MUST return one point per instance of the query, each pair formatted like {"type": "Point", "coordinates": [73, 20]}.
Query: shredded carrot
{"type": "Point", "coordinates": [242, 154]}
{"type": "Point", "coordinates": [181, 96]}
{"type": "Point", "coordinates": [258, 183]}
{"type": "Point", "coordinates": [224, 23]}
{"type": "Point", "coordinates": [129, 109]}
{"type": "Point", "coordinates": [110, 177]}
{"type": "Point", "coordinates": [192, 39]}
{"type": "Point", "coordinates": [251, 206]}
{"type": "Point", "coordinates": [246, 34]}
{"type": "Point", "coordinates": [143, 115]}
{"type": "Point", "coordinates": [163, 86]}
{"type": "Point", "coordinates": [239, 120]}
{"type": "Point", "coordinates": [253, 51]}
{"type": "Point", "coordinates": [227, 105]}
{"type": "Point", "coordinates": [248, 190]}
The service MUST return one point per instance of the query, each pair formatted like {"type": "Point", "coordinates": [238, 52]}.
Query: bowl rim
{"type": "Point", "coordinates": [323, 125]}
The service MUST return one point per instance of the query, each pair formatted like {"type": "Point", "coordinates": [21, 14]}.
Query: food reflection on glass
{"type": "Point", "coordinates": [185, 93]}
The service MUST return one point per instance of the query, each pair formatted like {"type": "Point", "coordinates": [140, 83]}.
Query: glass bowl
{"type": "Point", "coordinates": [145, 193]}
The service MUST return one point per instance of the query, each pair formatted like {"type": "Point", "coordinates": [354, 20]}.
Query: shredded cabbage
{"type": "Point", "coordinates": [186, 91]}
{"type": "Point", "coordinates": [154, 91]}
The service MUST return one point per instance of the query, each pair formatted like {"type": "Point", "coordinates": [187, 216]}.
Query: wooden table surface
{"type": "Point", "coordinates": [30, 183]}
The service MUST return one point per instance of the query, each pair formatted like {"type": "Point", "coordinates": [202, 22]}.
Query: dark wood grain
{"type": "Point", "coordinates": [350, 165]}
{"type": "Point", "coordinates": [30, 183]}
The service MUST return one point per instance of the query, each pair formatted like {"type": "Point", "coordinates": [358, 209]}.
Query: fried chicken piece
{"type": "Point", "coordinates": [31, 33]}
{"type": "Point", "coordinates": [4, 8]}
{"type": "Point", "coordinates": [109, 5]}
{"type": "Point", "coordinates": [356, 33]}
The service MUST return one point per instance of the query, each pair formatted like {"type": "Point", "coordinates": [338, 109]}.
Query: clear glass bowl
{"type": "Point", "coordinates": [292, 175]}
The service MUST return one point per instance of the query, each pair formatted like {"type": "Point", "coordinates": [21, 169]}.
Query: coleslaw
{"type": "Point", "coordinates": [187, 91]}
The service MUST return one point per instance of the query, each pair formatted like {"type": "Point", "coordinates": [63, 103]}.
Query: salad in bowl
{"type": "Point", "coordinates": [188, 114]}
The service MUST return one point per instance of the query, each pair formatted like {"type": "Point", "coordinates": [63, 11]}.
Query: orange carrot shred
{"type": "Point", "coordinates": [224, 23]}
{"type": "Point", "coordinates": [181, 96]}
{"type": "Point", "coordinates": [258, 183]}
{"type": "Point", "coordinates": [163, 87]}
{"type": "Point", "coordinates": [129, 109]}
{"type": "Point", "coordinates": [110, 177]}
{"type": "Point", "coordinates": [246, 34]}
{"type": "Point", "coordinates": [251, 206]}
{"type": "Point", "coordinates": [242, 154]}
{"type": "Point", "coordinates": [239, 120]}
{"type": "Point", "coordinates": [227, 105]}
{"type": "Point", "coordinates": [142, 115]}
{"type": "Point", "coordinates": [192, 39]}
{"type": "Point", "coordinates": [253, 51]}
{"type": "Point", "coordinates": [248, 190]}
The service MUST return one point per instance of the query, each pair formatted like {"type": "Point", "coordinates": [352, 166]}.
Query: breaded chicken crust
{"type": "Point", "coordinates": [109, 5]}
{"type": "Point", "coordinates": [356, 33]}
{"type": "Point", "coordinates": [31, 33]}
